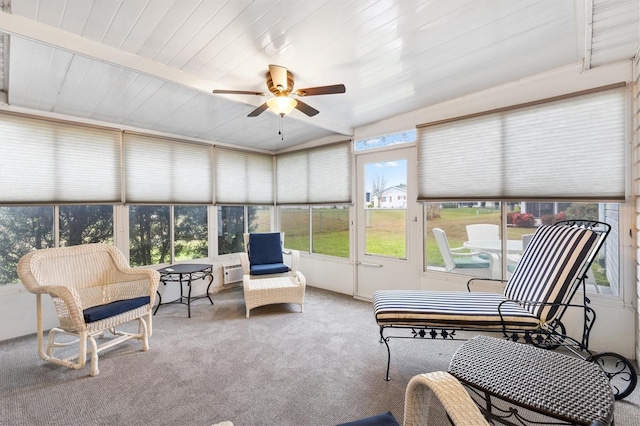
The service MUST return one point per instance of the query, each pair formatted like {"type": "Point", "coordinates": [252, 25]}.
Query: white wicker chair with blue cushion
{"type": "Point", "coordinates": [267, 279]}
{"type": "Point", "coordinates": [94, 290]}
{"type": "Point", "coordinates": [263, 255]}
{"type": "Point", "coordinates": [543, 285]}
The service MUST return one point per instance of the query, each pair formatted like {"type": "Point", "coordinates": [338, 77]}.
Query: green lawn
{"type": "Point", "coordinates": [385, 232]}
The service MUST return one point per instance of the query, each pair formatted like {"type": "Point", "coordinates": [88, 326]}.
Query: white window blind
{"type": "Point", "coordinates": [51, 162]}
{"type": "Point", "coordinates": [572, 148]}
{"type": "Point", "coordinates": [243, 177]}
{"type": "Point", "coordinates": [315, 176]}
{"type": "Point", "coordinates": [166, 171]}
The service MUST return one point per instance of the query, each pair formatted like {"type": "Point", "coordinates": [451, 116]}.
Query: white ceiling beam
{"type": "Point", "coordinates": [35, 31]}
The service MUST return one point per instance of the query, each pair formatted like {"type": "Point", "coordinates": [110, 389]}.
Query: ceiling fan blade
{"type": "Point", "coordinates": [256, 112]}
{"type": "Point", "coordinates": [310, 111]}
{"type": "Point", "coordinates": [278, 76]}
{"type": "Point", "coordinates": [237, 92]}
{"type": "Point", "coordinates": [322, 90]}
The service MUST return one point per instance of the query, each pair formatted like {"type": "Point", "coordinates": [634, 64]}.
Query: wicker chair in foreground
{"type": "Point", "coordinates": [460, 407]}
{"type": "Point", "coordinates": [93, 290]}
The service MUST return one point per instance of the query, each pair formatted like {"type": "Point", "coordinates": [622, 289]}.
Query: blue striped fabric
{"type": "Point", "coordinates": [546, 273]}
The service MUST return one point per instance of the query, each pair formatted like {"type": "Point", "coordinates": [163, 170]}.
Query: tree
{"type": "Point", "coordinates": [85, 225]}
{"type": "Point", "coordinates": [22, 229]}
{"type": "Point", "coordinates": [148, 235]}
{"type": "Point", "coordinates": [378, 185]}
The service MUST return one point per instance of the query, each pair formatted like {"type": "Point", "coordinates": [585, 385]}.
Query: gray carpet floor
{"type": "Point", "coordinates": [280, 367]}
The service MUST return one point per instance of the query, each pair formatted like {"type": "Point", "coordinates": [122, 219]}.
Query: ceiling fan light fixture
{"type": "Point", "coordinates": [282, 105]}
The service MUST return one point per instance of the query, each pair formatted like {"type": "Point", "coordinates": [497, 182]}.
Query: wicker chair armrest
{"type": "Point", "coordinates": [491, 283]}
{"type": "Point", "coordinates": [68, 296]}
{"type": "Point", "coordinates": [244, 261]}
{"type": "Point", "coordinates": [452, 395]}
{"type": "Point", "coordinates": [295, 259]}
{"type": "Point", "coordinates": [301, 279]}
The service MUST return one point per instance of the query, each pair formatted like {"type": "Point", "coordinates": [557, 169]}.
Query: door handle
{"type": "Point", "coordinates": [375, 265]}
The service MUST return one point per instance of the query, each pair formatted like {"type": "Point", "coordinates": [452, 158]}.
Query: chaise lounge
{"type": "Point", "coordinates": [543, 285]}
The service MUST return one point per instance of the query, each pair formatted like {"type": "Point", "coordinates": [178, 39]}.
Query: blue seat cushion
{"type": "Point", "coordinates": [471, 262]}
{"type": "Point", "coordinates": [384, 419]}
{"type": "Point", "coordinates": [271, 268]}
{"type": "Point", "coordinates": [265, 248]}
{"type": "Point", "coordinates": [100, 312]}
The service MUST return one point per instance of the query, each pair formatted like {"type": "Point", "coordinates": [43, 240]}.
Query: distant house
{"type": "Point", "coordinates": [393, 197]}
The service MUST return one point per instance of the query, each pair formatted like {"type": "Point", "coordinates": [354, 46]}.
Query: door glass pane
{"type": "Point", "coordinates": [386, 208]}
{"type": "Point", "coordinates": [294, 222]}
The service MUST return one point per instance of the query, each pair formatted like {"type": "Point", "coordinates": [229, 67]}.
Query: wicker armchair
{"type": "Point", "coordinates": [267, 279]}
{"type": "Point", "coordinates": [267, 259]}
{"type": "Point", "coordinates": [455, 399]}
{"type": "Point", "coordinates": [93, 290]}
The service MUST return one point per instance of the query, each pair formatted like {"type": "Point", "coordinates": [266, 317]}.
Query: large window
{"type": "Point", "coordinates": [330, 230]}
{"type": "Point", "coordinates": [475, 231]}
{"type": "Point", "coordinates": [190, 236]}
{"type": "Point", "coordinates": [151, 229]}
{"type": "Point", "coordinates": [23, 229]}
{"type": "Point", "coordinates": [231, 225]}
{"type": "Point", "coordinates": [317, 229]}
{"type": "Point", "coordinates": [294, 222]}
{"type": "Point", "coordinates": [86, 225]}
{"type": "Point", "coordinates": [149, 240]}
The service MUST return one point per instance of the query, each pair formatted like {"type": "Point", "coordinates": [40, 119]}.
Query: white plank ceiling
{"type": "Point", "coordinates": [151, 64]}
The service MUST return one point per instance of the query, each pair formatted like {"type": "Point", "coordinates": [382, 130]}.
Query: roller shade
{"type": "Point", "coordinates": [167, 171]}
{"type": "Point", "coordinates": [53, 162]}
{"type": "Point", "coordinates": [572, 148]}
{"type": "Point", "coordinates": [243, 177]}
{"type": "Point", "coordinates": [315, 176]}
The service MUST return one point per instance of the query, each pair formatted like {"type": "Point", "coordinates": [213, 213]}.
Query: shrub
{"type": "Point", "coordinates": [548, 219]}
{"type": "Point", "coordinates": [523, 220]}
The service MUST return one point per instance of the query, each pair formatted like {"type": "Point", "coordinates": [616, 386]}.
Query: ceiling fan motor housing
{"type": "Point", "coordinates": [276, 90]}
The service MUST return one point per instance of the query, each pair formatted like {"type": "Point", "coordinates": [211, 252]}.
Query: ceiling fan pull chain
{"type": "Point", "coordinates": [281, 128]}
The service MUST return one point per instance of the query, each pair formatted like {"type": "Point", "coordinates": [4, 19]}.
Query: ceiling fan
{"type": "Point", "coordinates": [280, 83]}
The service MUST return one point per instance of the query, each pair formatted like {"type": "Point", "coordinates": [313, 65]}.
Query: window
{"type": "Point", "coordinates": [190, 237]}
{"type": "Point", "coordinates": [294, 222]}
{"type": "Point", "coordinates": [149, 240]}
{"type": "Point", "coordinates": [567, 149]}
{"type": "Point", "coordinates": [326, 232]}
{"type": "Point", "coordinates": [85, 225]}
{"type": "Point", "coordinates": [330, 230]}
{"type": "Point", "coordinates": [408, 136]}
{"type": "Point", "coordinates": [23, 229]}
{"type": "Point", "coordinates": [231, 225]}
{"type": "Point", "coordinates": [473, 229]}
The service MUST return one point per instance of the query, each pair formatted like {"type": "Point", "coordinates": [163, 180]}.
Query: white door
{"type": "Point", "coordinates": [386, 248]}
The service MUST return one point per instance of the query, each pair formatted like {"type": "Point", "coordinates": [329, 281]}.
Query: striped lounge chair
{"type": "Point", "coordinates": [552, 268]}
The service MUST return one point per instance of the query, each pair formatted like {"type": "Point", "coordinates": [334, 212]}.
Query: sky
{"type": "Point", "coordinates": [394, 171]}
